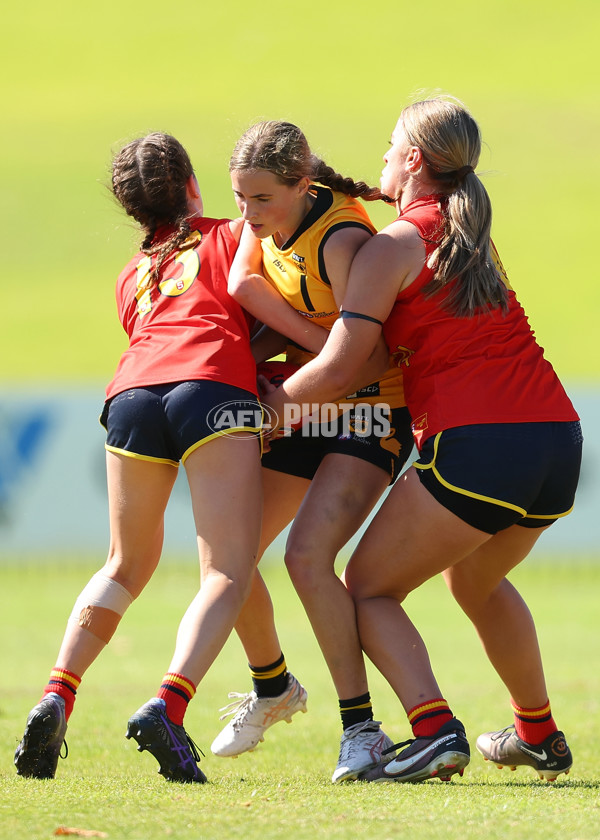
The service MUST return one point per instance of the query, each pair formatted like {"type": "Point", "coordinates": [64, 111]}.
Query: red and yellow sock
{"type": "Point", "coordinates": [426, 718]}
{"type": "Point", "coordinates": [65, 684]}
{"type": "Point", "coordinates": [533, 725]}
{"type": "Point", "coordinates": [177, 691]}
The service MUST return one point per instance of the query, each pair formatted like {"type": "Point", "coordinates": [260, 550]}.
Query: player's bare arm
{"type": "Point", "coordinates": [248, 286]}
{"type": "Point", "coordinates": [385, 264]}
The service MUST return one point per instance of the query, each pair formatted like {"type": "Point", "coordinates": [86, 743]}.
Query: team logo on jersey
{"type": "Point", "coordinates": [419, 428]}
{"type": "Point", "coordinates": [401, 356]}
{"type": "Point", "coordinates": [317, 314]}
{"type": "Point", "coordinates": [420, 423]}
{"type": "Point", "coordinates": [301, 260]}
{"type": "Point", "coordinates": [371, 390]}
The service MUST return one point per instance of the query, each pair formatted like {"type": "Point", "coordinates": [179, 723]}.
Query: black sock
{"type": "Point", "coordinates": [356, 710]}
{"type": "Point", "coordinates": [270, 680]}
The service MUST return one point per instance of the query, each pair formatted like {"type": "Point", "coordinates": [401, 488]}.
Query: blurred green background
{"type": "Point", "coordinates": [80, 79]}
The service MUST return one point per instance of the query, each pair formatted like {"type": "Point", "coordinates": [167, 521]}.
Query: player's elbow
{"type": "Point", "coordinates": [341, 379]}
{"type": "Point", "coordinates": [240, 286]}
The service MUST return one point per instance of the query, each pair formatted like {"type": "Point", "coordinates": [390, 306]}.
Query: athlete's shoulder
{"type": "Point", "coordinates": [206, 224]}
{"type": "Point", "coordinates": [427, 214]}
{"type": "Point", "coordinates": [220, 233]}
{"type": "Point", "coordinates": [129, 271]}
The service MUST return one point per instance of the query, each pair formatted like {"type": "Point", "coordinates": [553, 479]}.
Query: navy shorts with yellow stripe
{"type": "Point", "coordinates": [166, 423]}
{"type": "Point", "coordinates": [300, 454]}
{"type": "Point", "coordinates": [495, 475]}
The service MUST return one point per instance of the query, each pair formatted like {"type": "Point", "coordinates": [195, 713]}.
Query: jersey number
{"type": "Point", "coordinates": [187, 257]}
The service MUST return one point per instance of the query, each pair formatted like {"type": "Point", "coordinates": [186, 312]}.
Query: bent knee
{"type": "Point", "coordinates": [234, 588]}
{"type": "Point", "coordinates": [364, 584]}
{"type": "Point", "coordinates": [100, 606]}
{"type": "Point", "coordinates": [298, 564]}
{"type": "Point", "coordinates": [305, 564]}
{"type": "Point", "coordinates": [471, 595]}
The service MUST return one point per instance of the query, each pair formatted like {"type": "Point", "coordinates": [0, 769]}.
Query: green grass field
{"type": "Point", "coordinates": [80, 79]}
{"type": "Point", "coordinates": [283, 789]}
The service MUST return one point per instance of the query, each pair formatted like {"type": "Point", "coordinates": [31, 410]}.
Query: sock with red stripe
{"type": "Point", "coordinates": [177, 691]}
{"type": "Point", "coordinates": [426, 718]}
{"type": "Point", "coordinates": [65, 684]}
{"type": "Point", "coordinates": [533, 725]}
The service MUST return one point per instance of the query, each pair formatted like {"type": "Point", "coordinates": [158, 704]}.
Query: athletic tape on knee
{"type": "Point", "coordinates": [100, 606]}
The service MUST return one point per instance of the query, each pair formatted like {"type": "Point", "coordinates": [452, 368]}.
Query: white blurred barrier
{"type": "Point", "coordinates": [53, 486]}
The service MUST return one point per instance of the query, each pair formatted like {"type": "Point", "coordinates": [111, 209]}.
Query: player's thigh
{"type": "Point", "coordinates": [282, 496]}
{"type": "Point", "coordinates": [138, 492]}
{"type": "Point", "coordinates": [410, 539]}
{"type": "Point", "coordinates": [342, 494]}
{"type": "Point", "coordinates": [224, 476]}
{"type": "Point", "coordinates": [473, 579]}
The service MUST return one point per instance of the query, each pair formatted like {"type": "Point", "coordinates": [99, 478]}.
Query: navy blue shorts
{"type": "Point", "coordinates": [389, 448]}
{"type": "Point", "coordinates": [166, 423]}
{"type": "Point", "coordinates": [495, 475]}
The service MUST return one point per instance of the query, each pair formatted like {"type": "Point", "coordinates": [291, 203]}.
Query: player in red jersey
{"type": "Point", "coordinates": [498, 438]}
{"type": "Point", "coordinates": [184, 391]}
{"type": "Point", "coordinates": [304, 226]}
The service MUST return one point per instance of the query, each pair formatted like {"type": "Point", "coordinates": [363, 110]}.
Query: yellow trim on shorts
{"type": "Point", "coordinates": [255, 429]}
{"type": "Point", "coordinates": [137, 457]}
{"type": "Point", "coordinates": [469, 493]}
{"type": "Point", "coordinates": [549, 515]}
{"type": "Point", "coordinates": [479, 496]}
{"type": "Point", "coordinates": [198, 444]}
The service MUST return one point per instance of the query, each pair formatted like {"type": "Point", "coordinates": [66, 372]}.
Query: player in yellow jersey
{"type": "Point", "coordinates": [303, 228]}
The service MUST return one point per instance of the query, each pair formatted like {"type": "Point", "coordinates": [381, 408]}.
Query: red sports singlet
{"type": "Point", "coordinates": [487, 368]}
{"type": "Point", "coordinates": [188, 327]}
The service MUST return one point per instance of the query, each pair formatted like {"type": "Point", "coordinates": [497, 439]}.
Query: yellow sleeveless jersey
{"type": "Point", "coordinates": [298, 272]}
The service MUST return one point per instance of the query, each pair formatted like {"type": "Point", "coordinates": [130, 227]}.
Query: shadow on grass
{"type": "Point", "coordinates": [533, 784]}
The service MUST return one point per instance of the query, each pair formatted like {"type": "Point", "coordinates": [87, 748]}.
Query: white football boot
{"type": "Point", "coordinates": [361, 747]}
{"type": "Point", "coordinates": [253, 715]}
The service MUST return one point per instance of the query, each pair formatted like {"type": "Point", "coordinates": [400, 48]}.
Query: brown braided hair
{"type": "Point", "coordinates": [149, 177]}
{"type": "Point", "coordinates": [450, 141]}
{"type": "Point", "coordinates": [281, 148]}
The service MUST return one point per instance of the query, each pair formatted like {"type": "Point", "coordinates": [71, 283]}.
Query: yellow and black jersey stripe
{"type": "Point", "coordinates": [297, 270]}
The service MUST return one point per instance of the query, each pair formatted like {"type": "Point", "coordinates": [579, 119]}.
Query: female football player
{"type": "Point", "coordinates": [499, 444]}
{"type": "Point", "coordinates": [304, 226]}
{"type": "Point", "coordinates": [189, 352]}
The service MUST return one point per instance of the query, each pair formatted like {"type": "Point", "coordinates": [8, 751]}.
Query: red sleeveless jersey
{"type": "Point", "coordinates": [188, 327]}
{"type": "Point", "coordinates": [487, 368]}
